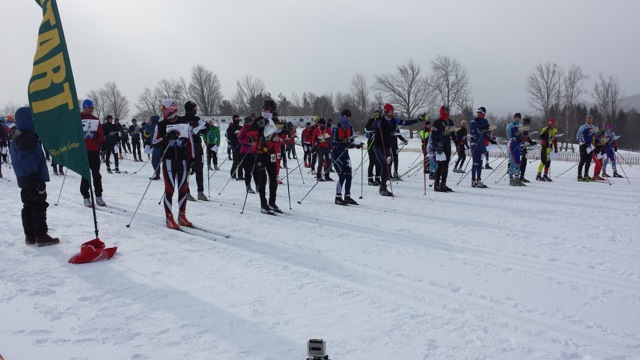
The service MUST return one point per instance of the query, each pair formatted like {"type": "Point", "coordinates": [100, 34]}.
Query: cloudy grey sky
{"type": "Point", "coordinates": [301, 45]}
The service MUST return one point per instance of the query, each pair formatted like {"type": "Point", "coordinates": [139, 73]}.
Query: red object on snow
{"type": "Point", "coordinates": [93, 251]}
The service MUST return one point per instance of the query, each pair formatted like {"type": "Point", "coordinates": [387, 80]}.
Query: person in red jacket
{"type": "Point", "coordinates": [263, 129]}
{"type": "Point", "coordinates": [321, 141]}
{"type": "Point", "coordinates": [306, 144]}
{"type": "Point", "coordinates": [93, 138]}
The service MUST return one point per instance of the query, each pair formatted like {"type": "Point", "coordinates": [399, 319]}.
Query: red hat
{"type": "Point", "coordinates": [444, 113]}
{"type": "Point", "coordinates": [552, 121]}
{"type": "Point", "coordinates": [93, 251]}
{"type": "Point", "coordinates": [388, 107]}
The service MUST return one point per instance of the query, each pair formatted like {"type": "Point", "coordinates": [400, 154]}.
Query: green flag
{"type": "Point", "coordinates": [52, 95]}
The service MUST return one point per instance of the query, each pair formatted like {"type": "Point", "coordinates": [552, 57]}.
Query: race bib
{"type": "Point", "coordinates": [441, 157]}
{"type": "Point", "coordinates": [273, 158]}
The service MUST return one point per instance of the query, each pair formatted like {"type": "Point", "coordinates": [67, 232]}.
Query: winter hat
{"type": "Point", "coordinates": [346, 113]}
{"type": "Point", "coordinates": [308, 124]}
{"type": "Point", "coordinates": [92, 251]}
{"type": "Point", "coordinates": [609, 126]}
{"type": "Point", "coordinates": [444, 113]}
{"type": "Point", "coordinates": [190, 107]}
{"type": "Point", "coordinates": [481, 109]}
{"type": "Point", "coordinates": [269, 104]}
{"type": "Point", "coordinates": [552, 121]}
{"type": "Point", "coordinates": [321, 121]}
{"type": "Point", "coordinates": [517, 115]}
{"type": "Point", "coordinates": [169, 108]}
{"type": "Point", "coordinates": [109, 117]}
{"type": "Point", "coordinates": [526, 121]}
{"type": "Point", "coordinates": [248, 119]}
{"type": "Point", "coordinates": [87, 103]}
{"type": "Point", "coordinates": [24, 121]}
{"type": "Point", "coordinates": [388, 107]}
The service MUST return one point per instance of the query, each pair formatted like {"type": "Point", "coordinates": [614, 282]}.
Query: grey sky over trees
{"type": "Point", "coordinates": [302, 46]}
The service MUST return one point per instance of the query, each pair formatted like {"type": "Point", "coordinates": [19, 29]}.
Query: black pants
{"type": "Point", "coordinates": [212, 155]}
{"type": "Point", "coordinates": [462, 156]}
{"type": "Point", "coordinates": [585, 160]}
{"type": "Point", "coordinates": [110, 149]}
{"type": "Point", "coordinates": [323, 161]}
{"type": "Point", "coordinates": [125, 145]}
{"type": "Point", "coordinates": [373, 162]}
{"type": "Point", "coordinates": [262, 170]}
{"type": "Point", "coordinates": [236, 161]}
{"type": "Point", "coordinates": [34, 211]}
{"type": "Point", "coordinates": [247, 166]}
{"type": "Point", "coordinates": [523, 163]}
{"type": "Point", "coordinates": [383, 158]}
{"type": "Point", "coordinates": [394, 158]}
{"type": "Point", "coordinates": [136, 149]}
{"type": "Point", "coordinates": [442, 172]}
{"type": "Point", "coordinates": [307, 153]}
{"type": "Point", "coordinates": [94, 165]}
{"type": "Point", "coordinates": [198, 169]}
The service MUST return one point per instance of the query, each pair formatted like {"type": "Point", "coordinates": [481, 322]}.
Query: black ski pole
{"type": "Point", "coordinates": [61, 186]}
{"type": "Point", "coordinates": [362, 172]}
{"type": "Point", "coordinates": [576, 164]}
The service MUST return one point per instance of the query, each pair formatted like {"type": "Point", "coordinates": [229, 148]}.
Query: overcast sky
{"type": "Point", "coordinates": [301, 45]}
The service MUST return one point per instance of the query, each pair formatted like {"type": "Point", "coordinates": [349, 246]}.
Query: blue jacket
{"type": "Point", "coordinates": [26, 151]}
{"type": "Point", "coordinates": [479, 130]}
{"type": "Point", "coordinates": [342, 137]}
{"type": "Point", "coordinates": [513, 131]}
{"type": "Point", "coordinates": [584, 135]}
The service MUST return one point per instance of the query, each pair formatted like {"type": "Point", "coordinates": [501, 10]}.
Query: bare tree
{"type": "Point", "coordinates": [407, 88]}
{"type": "Point", "coordinates": [148, 103]}
{"type": "Point", "coordinates": [249, 94]}
{"type": "Point", "coordinates": [360, 92]}
{"type": "Point", "coordinates": [10, 109]}
{"type": "Point", "coordinates": [608, 96]}
{"type": "Point", "coordinates": [171, 89]}
{"type": "Point", "coordinates": [116, 103]}
{"type": "Point", "coordinates": [450, 81]}
{"type": "Point", "coordinates": [99, 98]}
{"type": "Point", "coordinates": [544, 86]}
{"type": "Point", "coordinates": [204, 89]}
{"type": "Point", "coordinates": [573, 88]}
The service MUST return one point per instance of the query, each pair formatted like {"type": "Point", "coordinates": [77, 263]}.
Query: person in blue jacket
{"type": "Point", "coordinates": [157, 150]}
{"type": "Point", "coordinates": [342, 141]}
{"type": "Point", "coordinates": [30, 167]}
{"type": "Point", "coordinates": [514, 134]}
{"type": "Point", "coordinates": [479, 129]}
{"type": "Point", "coordinates": [585, 139]}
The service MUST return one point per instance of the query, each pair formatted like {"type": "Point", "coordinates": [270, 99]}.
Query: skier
{"type": "Point", "coordinates": [598, 152]}
{"type": "Point", "coordinates": [526, 122]}
{"type": "Point", "coordinates": [611, 147]}
{"type": "Point", "coordinates": [515, 137]}
{"type": "Point", "coordinates": [124, 141]}
{"type": "Point", "coordinates": [196, 165]}
{"type": "Point", "coordinates": [389, 112]}
{"type": "Point", "coordinates": [479, 130]}
{"type": "Point", "coordinates": [314, 151]}
{"type": "Point", "coordinates": [232, 139]}
{"type": "Point", "coordinates": [112, 138]}
{"type": "Point", "coordinates": [585, 139]}
{"type": "Point", "coordinates": [31, 172]}
{"type": "Point", "coordinates": [342, 139]}
{"type": "Point", "coordinates": [306, 144]}
{"type": "Point", "coordinates": [212, 140]}
{"type": "Point", "coordinates": [441, 146]}
{"type": "Point", "coordinates": [321, 141]}
{"type": "Point", "coordinates": [173, 136]}
{"type": "Point", "coordinates": [462, 145]}
{"type": "Point", "coordinates": [383, 129]}
{"type": "Point", "coordinates": [247, 153]}
{"type": "Point", "coordinates": [425, 134]}
{"type": "Point", "coordinates": [93, 138]}
{"type": "Point", "coordinates": [291, 141]}
{"type": "Point", "coordinates": [134, 132]}
{"type": "Point", "coordinates": [373, 171]}
{"type": "Point", "coordinates": [548, 143]}
{"type": "Point", "coordinates": [263, 129]}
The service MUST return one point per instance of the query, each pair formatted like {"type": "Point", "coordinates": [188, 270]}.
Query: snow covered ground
{"type": "Point", "coordinates": [550, 271]}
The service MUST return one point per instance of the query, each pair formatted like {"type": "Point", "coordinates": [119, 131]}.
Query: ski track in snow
{"type": "Point", "coordinates": [549, 271]}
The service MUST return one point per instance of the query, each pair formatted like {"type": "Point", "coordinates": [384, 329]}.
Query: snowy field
{"type": "Point", "coordinates": [550, 271]}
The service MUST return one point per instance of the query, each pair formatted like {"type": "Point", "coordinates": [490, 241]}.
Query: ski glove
{"type": "Point", "coordinates": [173, 135]}
{"type": "Point", "coordinates": [260, 123]}
{"type": "Point", "coordinates": [406, 142]}
{"type": "Point", "coordinates": [493, 141]}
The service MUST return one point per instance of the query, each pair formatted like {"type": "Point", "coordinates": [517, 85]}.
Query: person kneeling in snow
{"type": "Point", "coordinates": [31, 171]}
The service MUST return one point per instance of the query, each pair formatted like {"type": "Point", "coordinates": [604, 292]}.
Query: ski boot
{"type": "Point", "coordinates": [45, 239]}
{"type": "Point", "coordinates": [100, 201]}
{"type": "Point", "coordinates": [190, 197]}
{"type": "Point", "coordinates": [384, 192]}
{"type": "Point", "coordinates": [202, 196]}
{"type": "Point", "coordinates": [171, 224]}
{"type": "Point", "coordinates": [349, 201]}
{"type": "Point", "coordinates": [30, 239]}
{"type": "Point", "coordinates": [182, 220]}
{"type": "Point", "coordinates": [616, 175]}
{"type": "Point", "coordinates": [547, 178]}
{"type": "Point", "coordinates": [250, 190]}
{"type": "Point", "coordinates": [339, 200]}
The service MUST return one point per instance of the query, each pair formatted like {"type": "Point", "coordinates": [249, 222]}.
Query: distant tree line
{"type": "Point", "coordinates": [552, 92]}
